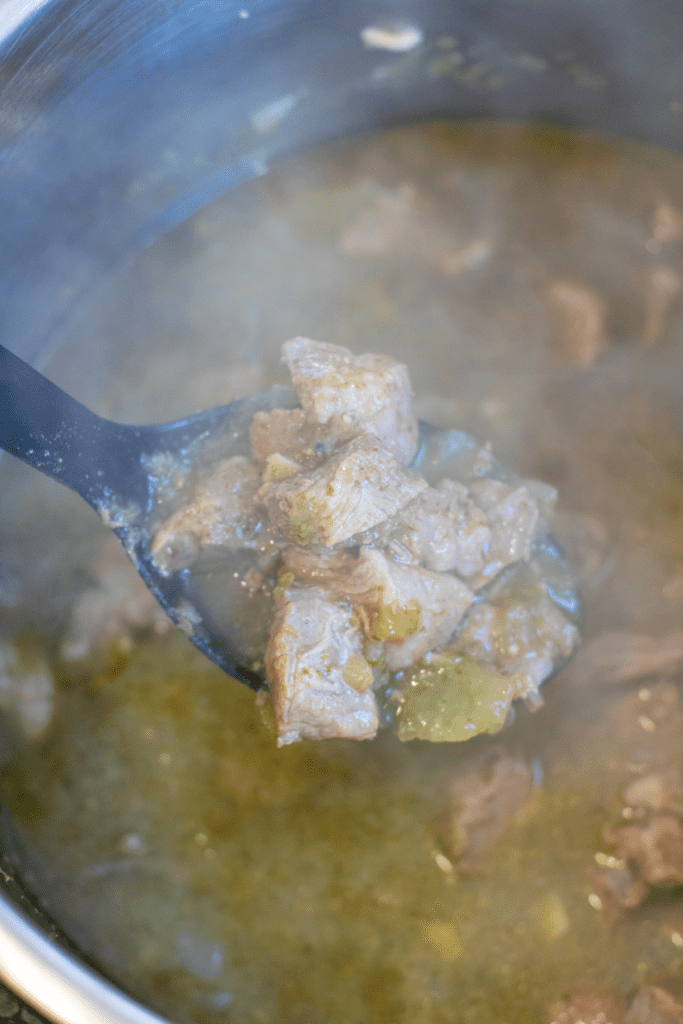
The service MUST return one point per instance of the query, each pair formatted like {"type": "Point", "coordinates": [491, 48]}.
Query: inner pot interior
{"type": "Point", "coordinates": [530, 280]}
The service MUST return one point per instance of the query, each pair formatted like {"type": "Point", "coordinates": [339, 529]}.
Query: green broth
{"type": "Point", "coordinates": [313, 872]}
{"type": "Point", "coordinates": [223, 880]}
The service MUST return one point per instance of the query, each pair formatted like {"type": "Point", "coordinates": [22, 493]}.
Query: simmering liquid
{"type": "Point", "coordinates": [532, 281]}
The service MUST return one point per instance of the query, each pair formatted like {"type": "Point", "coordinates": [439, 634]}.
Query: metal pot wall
{"type": "Point", "coordinates": [121, 118]}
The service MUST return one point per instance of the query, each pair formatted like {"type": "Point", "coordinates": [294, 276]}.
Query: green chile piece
{"type": "Point", "coordinates": [453, 697]}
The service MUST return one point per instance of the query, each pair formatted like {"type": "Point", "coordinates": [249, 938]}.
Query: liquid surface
{"type": "Point", "coordinates": [532, 281]}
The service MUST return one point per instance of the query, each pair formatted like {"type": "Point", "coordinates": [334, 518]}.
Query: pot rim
{"type": "Point", "coordinates": [54, 983]}
{"type": "Point", "coordinates": [15, 13]}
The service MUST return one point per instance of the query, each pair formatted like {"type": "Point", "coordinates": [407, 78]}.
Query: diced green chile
{"type": "Point", "coordinates": [454, 697]}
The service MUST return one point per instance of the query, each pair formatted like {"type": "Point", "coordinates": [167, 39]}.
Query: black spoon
{"type": "Point", "coordinates": [112, 466]}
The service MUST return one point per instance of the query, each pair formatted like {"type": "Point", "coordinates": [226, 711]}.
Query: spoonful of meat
{"type": "Point", "coordinates": [372, 571]}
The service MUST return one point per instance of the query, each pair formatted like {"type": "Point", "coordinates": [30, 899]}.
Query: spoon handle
{"type": "Point", "coordinates": [43, 426]}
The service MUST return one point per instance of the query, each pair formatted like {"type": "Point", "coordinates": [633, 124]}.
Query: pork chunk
{"type": "Point", "coordinates": [588, 1008]}
{"type": "Point", "coordinates": [223, 513]}
{"type": "Point", "coordinates": [512, 516]}
{"type": "Point", "coordinates": [518, 638]}
{"type": "Point", "coordinates": [482, 802]}
{"type": "Point", "coordinates": [656, 1004]}
{"type": "Point", "coordinates": [411, 610]}
{"type": "Point", "coordinates": [290, 433]}
{"type": "Point", "coordinates": [442, 529]}
{"type": "Point", "coordinates": [27, 692]}
{"type": "Point", "coordinates": [367, 394]}
{"type": "Point", "coordinates": [359, 487]}
{"type": "Point", "coordinates": [320, 567]}
{"type": "Point", "coordinates": [408, 609]}
{"type": "Point", "coordinates": [655, 847]}
{"type": "Point", "coordinates": [320, 681]}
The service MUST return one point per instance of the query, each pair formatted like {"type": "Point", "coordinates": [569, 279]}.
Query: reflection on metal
{"type": "Point", "coordinates": [398, 37]}
{"type": "Point", "coordinates": [266, 118]}
{"type": "Point", "coordinates": [14, 13]}
{"type": "Point", "coordinates": [183, 206]}
{"type": "Point", "coordinates": [54, 983]}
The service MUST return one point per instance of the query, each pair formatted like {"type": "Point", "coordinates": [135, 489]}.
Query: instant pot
{"type": "Point", "coordinates": [119, 119]}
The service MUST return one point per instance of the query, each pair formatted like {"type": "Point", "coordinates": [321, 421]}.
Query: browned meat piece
{"type": "Point", "coordinates": [656, 1004]}
{"type": "Point", "coordinates": [618, 657]}
{"type": "Point", "coordinates": [659, 791]}
{"type": "Point", "coordinates": [645, 727]}
{"type": "Point", "coordinates": [401, 221]}
{"type": "Point", "coordinates": [327, 568]}
{"type": "Point", "coordinates": [512, 517]}
{"type": "Point", "coordinates": [27, 691]}
{"type": "Point", "coordinates": [518, 638]}
{"type": "Point", "coordinates": [408, 609]}
{"type": "Point", "coordinates": [442, 529]}
{"type": "Point", "coordinates": [320, 681]}
{"type": "Point", "coordinates": [352, 395]}
{"type": "Point", "coordinates": [359, 487]}
{"type": "Point", "coordinates": [288, 432]}
{"type": "Point", "coordinates": [481, 804]}
{"type": "Point", "coordinates": [618, 888]}
{"type": "Point", "coordinates": [587, 1008]}
{"type": "Point", "coordinates": [654, 846]}
{"type": "Point", "coordinates": [649, 850]}
{"type": "Point", "coordinates": [223, 513]}
{"type": "Point", "coordinates": [577, 320]}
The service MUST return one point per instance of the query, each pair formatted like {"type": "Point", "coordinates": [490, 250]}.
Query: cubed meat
{"type": "Point", "coordinates": [223, 513]}
{"type": "Point", "coordinates": [408, 609]}
{"type": "Point", "coordinates": [290, 433]}
{"type": "Point", "coordinates": [442, 529]}
{"type": "Point", "coordinates": [327, 568]}
{"type": "Point", "coordinates": [657, 1004]}
{"type": "Point", "coordinates": [411, 610]}
{"type": "Point", "coordinates": [657, 791]}
{"type": "Point", "coordinates": [27, 692]}
{"type": "Point", "coordinates": [518, 638]}
{"type": "Point", "coordinates": [654, 846]}
{"type": "Point", "coordinates": [359, 487]}
{"type": "Point", "coordinates": [588, 1008]}
{"type": "Point", "coordinates": [482, 802]}
{"type": "Point", "coordinates": [320, 681]}
{"type": "Point", "coordinates": [512, 516]}
{"type": "Point", "coordinates": [352, 395]}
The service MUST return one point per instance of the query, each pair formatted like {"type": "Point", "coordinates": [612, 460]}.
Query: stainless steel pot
{"type": "Point", "coordinates": [121, 118]}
